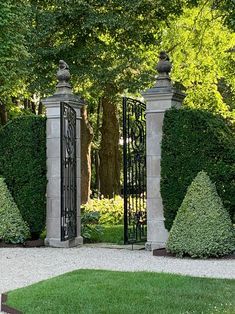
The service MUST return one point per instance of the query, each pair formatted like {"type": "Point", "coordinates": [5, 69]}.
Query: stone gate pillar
{"type": "Point", "coordinates": [63, 93]}
{"type": "Point", "coordinates": [159, 98]}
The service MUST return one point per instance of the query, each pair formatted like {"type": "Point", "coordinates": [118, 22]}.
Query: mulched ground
{"type": "Point", "coordinates": [163, 252]}
{"type": "Point", "coordinates": [29, 243]}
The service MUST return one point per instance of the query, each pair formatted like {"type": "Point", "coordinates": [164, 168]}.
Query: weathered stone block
{"type": "Point", "coordinates": [53, 128]}
{"type": "Point", "coordinates": [53, 228]}
{"type": "Point", "coordinates": [53, 187]}
{"type": "Point", "coordinates": [53, 112]}
{"type": "Point", "coordinates": [153, 187]}
{"type": "Point", "coordinates": [155, 208]}
{"type": "Point", "coordinates": [53, 208]}
{"type": "Point", "coordinates": [153, 166]}
{"type": "Point", "coordinates": [53, 167]}
{"type": "Point", "coordinates": [53, 147]}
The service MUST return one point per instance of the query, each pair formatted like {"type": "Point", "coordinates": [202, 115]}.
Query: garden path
{"type": "Point", "coordinates": [23, 266]}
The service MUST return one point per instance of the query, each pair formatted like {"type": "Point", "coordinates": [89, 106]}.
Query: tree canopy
{"type": "Point", "coordinates": [13, 47]}
{"type": "Point", "coordinates": [200, 46]}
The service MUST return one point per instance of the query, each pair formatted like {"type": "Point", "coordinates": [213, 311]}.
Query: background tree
{"type": "Point", "coordinates": [13, 53]}
{"type": "Point", "coordinates": [200, 47]}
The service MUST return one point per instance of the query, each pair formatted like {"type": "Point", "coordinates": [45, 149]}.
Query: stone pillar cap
{"type": "Point", "coordinates": [63, 89]}
{"type": "Point", "coordinates": [63, 76]}
{"type": "Point", "coordinates": [163, 83]}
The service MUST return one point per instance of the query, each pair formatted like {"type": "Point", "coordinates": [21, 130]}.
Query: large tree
{"type": "Point", "coordinates": [108, 45]}
{"type": "Point", "coordinates": [201, 48]}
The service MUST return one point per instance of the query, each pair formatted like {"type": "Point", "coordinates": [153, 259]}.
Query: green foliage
{"type": "Point", "coordinates": [109, 44]}
{"type": "Point", "coordinates": [90, 228]}
{"type": "Point", "coordinates": [227, 8]}
{"type": "Point", "coordinates": [12, 227]}
{"type": "Point", "coordinates": [199, 46]}
{"type": "Point", "coordinates": [110, 234]}
{"type": "Point", "coordinates": [202, 227]}
{"type": "Point", "coordinates": [110, 210]}
{"type": "Point", "coordinates": [23, 164]}
{"type": "Point", "coordinates": [195, 140]}
{"type": "Point", "coordinates": [13, 46]}
{"type": "Point", "coordinates": [102, 220]}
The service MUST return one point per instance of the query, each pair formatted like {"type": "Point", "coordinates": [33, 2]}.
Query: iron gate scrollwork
{"type": "Point", "coordinates": [68, 172]}
{"type": "Point", "coordinates": [134, 167]}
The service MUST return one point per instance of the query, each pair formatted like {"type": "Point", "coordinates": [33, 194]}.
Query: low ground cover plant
{"type": "Point", "coordinates": [110, 210]}
{"type": "Point", "coordinates": [98, 291]}
{"type": "Point", "coordinates": [102, 220]}
{"type": "Point", "coordinates": [202, 227]}
{"type": "Point", "coordinates": [12, 227]}
{"type": "Point", "coordinates": [90, 228]}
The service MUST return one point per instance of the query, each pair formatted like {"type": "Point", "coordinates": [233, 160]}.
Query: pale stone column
{"type": "Point", "coordinates": [158, 99]}
{"type": "Point", "coordinates": [53, 217]}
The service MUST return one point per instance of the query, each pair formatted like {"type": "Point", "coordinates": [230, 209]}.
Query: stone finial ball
{"type": "Point", "coordinates": [164, 65]}
{"type": "Point", "coordinates": [63, 74]}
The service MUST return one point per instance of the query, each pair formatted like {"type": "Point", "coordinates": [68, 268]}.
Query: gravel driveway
{"type": "Point", "coordinates": [23, 266]}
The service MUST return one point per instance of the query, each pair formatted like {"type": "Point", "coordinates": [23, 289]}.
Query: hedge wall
{"type": "Point", "coordinates": [195, 140]}
{"type": "Point", "coordinates": [23, 165]}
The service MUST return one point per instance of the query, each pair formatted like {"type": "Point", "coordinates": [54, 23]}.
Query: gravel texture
{"type": "Point", "coordinates": [23, 266]}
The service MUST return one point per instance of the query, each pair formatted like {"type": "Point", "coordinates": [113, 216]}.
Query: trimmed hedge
{"type": "Point", "coordinates": [12, 227]}
{"type": "Point", "coordinates": [23, 165]}
{"type": "Point", "coordinates": [202, 227]}
{"type": "Point", "coordinates": [195, 140]}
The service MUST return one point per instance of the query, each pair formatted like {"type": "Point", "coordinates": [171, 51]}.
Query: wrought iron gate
{"type": "Point", "coordinates": [68, 172]}
{"type": "Point", "coordinates": [134, 161]}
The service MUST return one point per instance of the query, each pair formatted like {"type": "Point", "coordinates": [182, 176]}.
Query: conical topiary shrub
{"type": "Point", "coordinates": [12, 227]}
{"type": "Point", "coordinates": [202, 227]}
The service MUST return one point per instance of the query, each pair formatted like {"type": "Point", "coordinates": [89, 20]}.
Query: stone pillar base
{"type": "Point", "coordinates": [52, 242]}
{"type": "Point", "coordinates": [150, 246]}
{"type": "Point", "coordinates": [157, 235]}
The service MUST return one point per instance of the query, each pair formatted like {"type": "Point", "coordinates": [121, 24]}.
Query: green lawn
{"type": "Point", "coordinates": [111, 234]}
{"type": "Point", "coordinates": [96, 291]}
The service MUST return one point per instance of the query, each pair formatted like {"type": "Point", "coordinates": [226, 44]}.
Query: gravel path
{"type": "Point", "coordinates": [23, 266]}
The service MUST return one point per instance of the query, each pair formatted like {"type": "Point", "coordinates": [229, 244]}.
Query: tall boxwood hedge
{"type": "Point", "coordinates": [195, 140]}
{"type": "Point", "coordinates": [23, 165]}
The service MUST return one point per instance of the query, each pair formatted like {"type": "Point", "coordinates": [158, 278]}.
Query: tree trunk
{"type": "Point", "coordinates": [33, 107]}
{"type": "Point", "coordinates": [86, 139]}
{"type": "Point", "coordinates": [40, 107]}
{"type": "Point", "coordinates": [109, 151]}
{"type": "Point", "coordinates": [3, 113]}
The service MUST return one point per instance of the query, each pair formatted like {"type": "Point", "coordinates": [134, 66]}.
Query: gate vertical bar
{"type": "Point", "coordinates": [125, 172]}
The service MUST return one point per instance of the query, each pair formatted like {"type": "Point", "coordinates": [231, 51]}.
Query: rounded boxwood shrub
{"type": "Point", "coordinates": [195, 140]}
{"type": "Point", "coordinates": [202, 227]}
{"type": "Point", "coordinates": [23, 165]}
{"type": "Point", "coordinates": [12, 227]}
